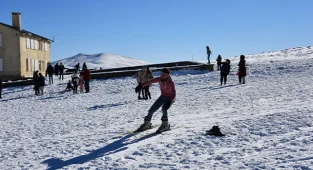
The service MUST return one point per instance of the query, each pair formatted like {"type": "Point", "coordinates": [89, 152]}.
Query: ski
{"type": "Point", "coordinates": [134, 132]}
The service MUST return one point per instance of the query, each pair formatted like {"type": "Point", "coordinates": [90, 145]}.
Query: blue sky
{"type": "Point", "coordinates": [166, 30]}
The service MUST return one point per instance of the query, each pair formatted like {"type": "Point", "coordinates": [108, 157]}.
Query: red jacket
{"type": "Point", "coordinates": [167, 87]}
{"type": "Point", "coordinates": [86, 75]}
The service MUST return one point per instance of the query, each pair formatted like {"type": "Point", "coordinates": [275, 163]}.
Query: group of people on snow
{"type": "Point", "coordinates": [39, 81]}
{"type": "Point", "coordinates": [77, 66]}
{"type": "Point", "coordinates": [168, 89]}
{"type": "Point", "coordinates": [56, 70]}
{"type": "Point", "coordinates": [59, 70]}
{"type": "Point", "coordinates": [80, 79]}
{"type": "Point", "coordinates": [167, 98]}
{"type": "Point", "coordinates": [224, 67]}
{"type": "Point", "coordinates": [142, 76]}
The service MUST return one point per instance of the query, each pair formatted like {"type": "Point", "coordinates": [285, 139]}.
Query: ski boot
{"type": "Point", "coordinates": [145, 126]}
{"type": "Point", "coordinates": [164, 127]}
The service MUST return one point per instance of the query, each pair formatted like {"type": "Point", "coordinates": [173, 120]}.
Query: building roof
{"type": "Point", "coordinates": [25, 31]}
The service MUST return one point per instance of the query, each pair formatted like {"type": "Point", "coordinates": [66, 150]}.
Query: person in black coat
{"type": "Point", "coordinates": [50, 71]}
{"type": "Point", "coordinates": [219, 62]}
{"type": "Point", "coordinates": [61, 70]}
{"type": "Point", "coordinates": [69, 86]}
{"type": "Point", "coordinates": [225, 69]}
{"type": "Point", "coordinates": [36, 80]}
{"type": "Point", "coordinates": [41, 83]}
{"type": "Point", "coordinates": [242, 70]}
{"type": "Point", "coordinates": [84, 66]}
{"type": "Point", "coordinates": [1, 85]}
{"type": "Point", "coordinates": [56, 70]}
{"type": "Point", "coordinates": [77, 67]}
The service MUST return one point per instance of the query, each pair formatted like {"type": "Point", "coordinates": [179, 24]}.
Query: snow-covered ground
{"type": "Point", "coordinates": [268, 122]}
{"type": "Point", "coordinates": [101, 60]}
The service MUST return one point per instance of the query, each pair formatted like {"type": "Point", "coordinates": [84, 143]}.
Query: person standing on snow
{"type": "Point", "coordinates": [139, 77]}
{"type": "Point", "coordinates": [77, 67]}
{"type": "Point", "coordinates": [56, 70]}
{"type": "Point", "coordinates": [61, 71]}
{"type": "Point", "coordinates": [49, 72]}
{"type": "Point", "coordinates": [225, 69]}
{"type": "Point", "coordinates": [84, 66]}
{"type": "Point", "coordinates": [168, 95]}
{"type": "Point", "coordinates": [208, 51]}
{"type": "Point", "coordinates": [219, 62]}
{"type": "Point", "coordinates": [146, 77]}
{"type": "Point", "coordinates": [75, 81]}
{"type": "Point", "coordinates": [81, 84]}
{"type": "Point", "coordinates": [242, 70]}
{"type": "Point", "coordinates": [86, 77]}
{"type": "Point", "coordinates": [36, 82]}
{"type": "Point", "coordinates": [41, 83]}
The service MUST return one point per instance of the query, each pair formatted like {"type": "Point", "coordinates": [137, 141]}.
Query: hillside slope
{"type": "Point", "coordinates": [101, 60]}
{"type": "Point", "coordinates": [267, 122]}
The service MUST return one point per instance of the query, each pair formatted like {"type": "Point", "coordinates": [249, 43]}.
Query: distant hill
{"type": "Point", "coordinates": [287, 54]}
{"type": "Point", "coordinates": [101, 60]}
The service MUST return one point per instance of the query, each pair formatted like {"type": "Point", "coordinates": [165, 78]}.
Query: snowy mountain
{"type": "Point", "coordinates": [267, 121]}
{"type": "Point", "coordinates": [287, 54]}
{"type": "Point", "coordinates": [102, 60]}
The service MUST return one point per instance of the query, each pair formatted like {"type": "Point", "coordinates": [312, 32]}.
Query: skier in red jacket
{"type": "Point", "coordinates": [168, 94]}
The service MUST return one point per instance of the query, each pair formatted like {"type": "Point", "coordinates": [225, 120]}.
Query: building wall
{"type": "Point", "coordinates": [33, 59]}
{"type": "Point", "coordinates": [10, 52]}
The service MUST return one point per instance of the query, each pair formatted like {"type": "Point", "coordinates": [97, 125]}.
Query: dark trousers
{"type": "Point", "coordinates": [147, 92]}
{"type": "Point", "coordinates": [0, 92]}
{"type": "Point", "coordinates": [218, 67]}
{"type": "Point", "coordinates": [87, 88]}
{"type": "Point", "coordinates": [36, 90]}
{"type": "Point", "coordinates": [50, 78]}
{"type": "Point", "coordinates": [163, 101]}
{"type": "Point", "coordinates": [142, 91]}
{"type": "Point", "coordinates": [75, 88]}
{"type": "Point", "coordinates": [223, 78]}
{"type": "Point", "coordinates": [61, 75]}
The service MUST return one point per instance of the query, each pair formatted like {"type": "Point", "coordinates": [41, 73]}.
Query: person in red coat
{"type": "Point", "coordinates": [86, 77]}
{"type": "Point", "coordinates": [242, 70]}
{"type": "Point", "coordinates": [167, 98]}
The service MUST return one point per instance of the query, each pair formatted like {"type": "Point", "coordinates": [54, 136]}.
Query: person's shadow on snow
{"type": "Point", "coordinates": [116, 146]}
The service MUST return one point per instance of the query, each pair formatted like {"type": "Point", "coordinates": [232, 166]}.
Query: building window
{"type": "Point", "coordinates": [27, 43]}
{"type": "Point", "coordinates": [31, 43]}
{"type": "Point", "coordinates": [0, 39]}
{"type": "Point", "coordinates": [46, 46]}
{"type": "Point", "coordinates": [29, 64]}
{"type": "Point", "coordinates": [1, 65]}
{"type": "Point", "coordinates": [40, 46]}
{"type": "Point", "coordinates": [27, 68]}
{"type": "Point", "coordinates": [40, 68]}
{"type": "Point", "coordinates": [36, 44]}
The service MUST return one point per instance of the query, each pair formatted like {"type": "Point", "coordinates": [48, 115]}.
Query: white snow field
{"type": "Point", "coordinates": [101, 60]}
{"type": "Point", "coordinates": [268, 122]}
